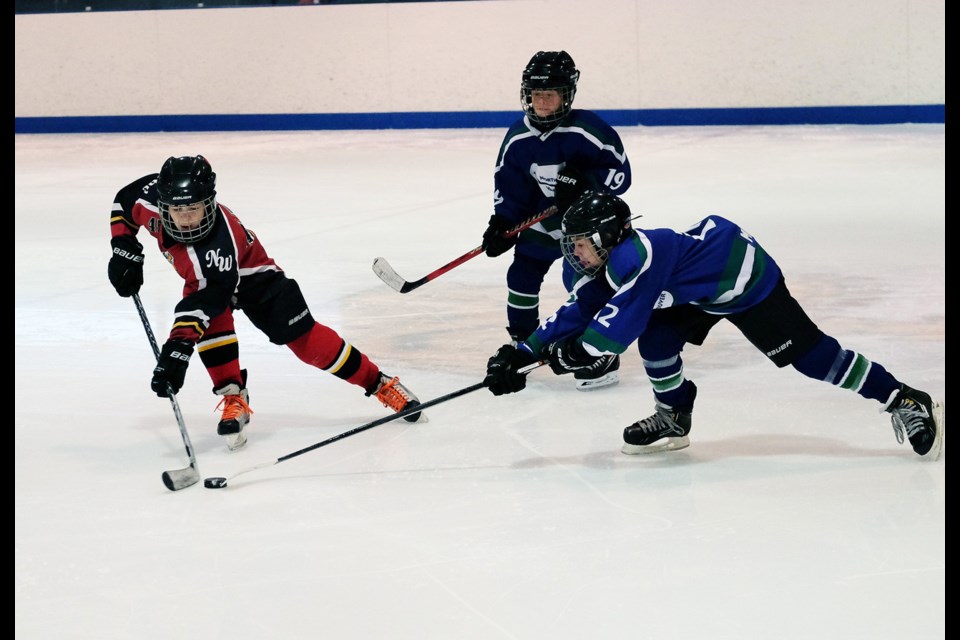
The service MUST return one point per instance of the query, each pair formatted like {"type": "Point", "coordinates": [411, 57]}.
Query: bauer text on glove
{"type": "Point", "coordinates": [125, 269]}
{"type": "Point", "coordinates": [571, 184]}
{"type": "Point", "coordinates": [171, 367]}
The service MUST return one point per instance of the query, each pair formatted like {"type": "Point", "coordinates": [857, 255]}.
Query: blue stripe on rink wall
{"type": "Point", "coordinates": [893, 114]}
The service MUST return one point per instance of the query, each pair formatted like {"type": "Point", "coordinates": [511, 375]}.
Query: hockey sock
{"type": "Point", "coordinates": [830, 362]}
{"type": "Point", "coordinates": [226, 374]}
{"type": "Point", "coordinates": [220, 354]}
{"type": "Point", "coordinates": [323, 348]}
{"type": "Point", "coordinates": [670, 386]}
{"type": "Point", "coordinates": [523, 313]}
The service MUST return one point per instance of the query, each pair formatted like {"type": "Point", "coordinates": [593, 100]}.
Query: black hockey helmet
{"type": "Point", "coordinates": [182, 181]}
{"type": "Point", "coordinates": [600, 217]}
{"type": "Point", "coordinates": [549, 70]}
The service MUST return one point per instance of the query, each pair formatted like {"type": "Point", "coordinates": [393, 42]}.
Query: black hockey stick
{"type": "Point", "coordinates": [220, 483]}
{"type": "Point", "coordinates": [387, 273]}
{"type": "Point", "coordinates": [175, 479]}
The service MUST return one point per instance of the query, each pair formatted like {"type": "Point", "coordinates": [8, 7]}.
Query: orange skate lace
{"type": "Point", "coordinates": [391, 396]}
{"type": "Point", "coordinates": [233, 408]}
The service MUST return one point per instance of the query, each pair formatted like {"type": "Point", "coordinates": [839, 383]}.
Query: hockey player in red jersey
{"type": "Point", "coordinates": [225, 268]}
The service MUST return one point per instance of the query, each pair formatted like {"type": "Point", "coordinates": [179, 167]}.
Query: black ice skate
{"type": "Point", "coordinates": [665, 430]}
{"type": "Point", "coordinates": [922, 419]}
{"type": "Point", "coordinates": [603, 373]}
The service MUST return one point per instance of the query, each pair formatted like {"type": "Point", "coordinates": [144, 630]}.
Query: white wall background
{"type": "Point", "coordinates": [468, 56]}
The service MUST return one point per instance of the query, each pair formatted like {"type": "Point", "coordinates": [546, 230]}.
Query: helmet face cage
{"type": "Point", "coordinates": [184, 181]}
{"type": "Point", "coordinates": [549, 71]}
{"type": "Point", "coordinates": [567, 244]}
{"type": "Point", "coordinates": [601, 218]}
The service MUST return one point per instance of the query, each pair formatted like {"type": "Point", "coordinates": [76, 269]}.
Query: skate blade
{"type": "Point", "coordinates": [593, 384]}
{"type": "Point", "coordinates": [938, 417]}
{"type": "Point", "coordinates": [235, 441]}
{"type": "Point", "coordinates": [664, 444]}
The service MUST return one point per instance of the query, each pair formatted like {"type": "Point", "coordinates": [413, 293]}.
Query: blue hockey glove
{"type": "Point", "coordinates": [568, 355]}
{"type": "Point", "coordinates": [171, 367]}
{"type": "Point", "coordinates": [126, 265]}
{"type": "Point", "coordinates": [494, 244]}
{"type": "Point", "coordinates": [502, 376]}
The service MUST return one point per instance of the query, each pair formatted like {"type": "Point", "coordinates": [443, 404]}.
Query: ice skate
{"type": "Point", "coordinates": [394, 395]}
{"type": "Point", "coordinates": [915, 414]}
{"type": "Point", "coordinates": [236, 414]}
{"type": "Point", "coordinates": [665, 430]}
{"type": "Point", "coordinates": [603, 373]}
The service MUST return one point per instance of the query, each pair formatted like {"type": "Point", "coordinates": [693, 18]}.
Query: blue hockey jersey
{"type": "Point", "coordinates": [529, 161]}
{"type": "Point", "coordinates": [714, 265]}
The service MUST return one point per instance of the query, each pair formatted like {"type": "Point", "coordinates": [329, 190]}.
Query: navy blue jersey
{"type": "Point", "coordinates": [714, 265]}
{"type": "Point", "coordinates": [528, 164]}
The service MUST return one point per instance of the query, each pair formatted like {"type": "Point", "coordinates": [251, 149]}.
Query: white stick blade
{"type": "Point", "coordinates": [386, 273]}
{"type": "Point", "coordinates": [180, 478]}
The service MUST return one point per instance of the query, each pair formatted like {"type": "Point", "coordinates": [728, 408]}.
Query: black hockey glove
{"type": "Point", "coordinates": [494, 244]}
{"type": "Point", "coordinates": [171, 367]}
{"type": "Point", "coordinates": [126, 265]}
{"type": "Point", "coordinates": [568, 355]}
{"type": "Point", "coordinates": [502, 376]}
{"type": "Point", "coordinates": [571, 184]}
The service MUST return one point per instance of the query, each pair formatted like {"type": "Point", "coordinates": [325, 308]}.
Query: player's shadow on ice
{"type": "Point", "coordinates": [760, 447]}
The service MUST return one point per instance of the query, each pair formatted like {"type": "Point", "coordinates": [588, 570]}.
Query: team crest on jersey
{"type": "Point", "coordinates": [664, 300]}
{"type": "Point", "coordinates": [546, 177]}
{"type": "Point", "coordinates": [168, 256]}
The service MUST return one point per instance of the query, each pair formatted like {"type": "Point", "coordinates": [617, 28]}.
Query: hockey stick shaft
{"type": "Point", "coordinates": [369, 425]}
{"type": "Point", "coordinates": [178, 478]}
{"type": "Point", "coordinates": [386, 273]}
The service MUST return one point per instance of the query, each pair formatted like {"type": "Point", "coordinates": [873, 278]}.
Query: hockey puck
{"type": "Point", "coordinates": [215, 483]}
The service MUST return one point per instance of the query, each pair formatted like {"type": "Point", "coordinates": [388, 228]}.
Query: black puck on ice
{"type": "Point", "coordinates": [215, 483]}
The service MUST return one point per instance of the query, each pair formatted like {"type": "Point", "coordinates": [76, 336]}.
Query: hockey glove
{"type": "Point", "coordinates": [568, 355]}
{"type": "Point", "coordinates": [571, 184]}
{"type": "Point", "coordinates": [494, 244]}
{"type": "Point", "coordinates": [126, 265]}
{"type": "Point", "coordinates": [502, 376]}
{"type": "Point", "coordinates": [171, 367]}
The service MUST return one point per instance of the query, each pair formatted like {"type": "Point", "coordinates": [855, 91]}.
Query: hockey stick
{"type": "Point", "coordinates": [175, 479]}
{"type": "Point", "coordinates": [387, 273]}
{"type": "Point", "coordinates": [220, 483]}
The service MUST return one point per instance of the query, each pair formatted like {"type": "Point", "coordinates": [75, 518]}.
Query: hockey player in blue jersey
{"type": "Point", "coordinates": [549, 157]}
{"type": "Point", "coordinates": [666, 289]}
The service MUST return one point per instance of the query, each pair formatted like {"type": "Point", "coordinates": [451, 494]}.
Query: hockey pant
{"type": "Point", "coordinates": [777, 326]}
{"type": "Point", "coordinates": [286, 320]}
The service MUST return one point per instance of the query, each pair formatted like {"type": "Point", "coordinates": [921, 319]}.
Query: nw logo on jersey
{"type": "Point", "coordinates": [214, 260]}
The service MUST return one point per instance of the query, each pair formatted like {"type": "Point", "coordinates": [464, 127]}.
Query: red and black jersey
{"type": "Point", "coordinates": [227, 268]}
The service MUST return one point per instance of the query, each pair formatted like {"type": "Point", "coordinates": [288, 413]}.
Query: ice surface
{"type": "Point", "coordinates": [794, 514]}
